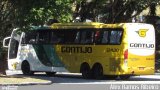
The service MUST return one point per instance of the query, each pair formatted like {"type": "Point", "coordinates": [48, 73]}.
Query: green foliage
{"type": "Point", "coordinates": [33, 12]}
{"type": "Point", "coordinates": [25, 13]}
{"type": "Point", "coordinates": [111, 11]}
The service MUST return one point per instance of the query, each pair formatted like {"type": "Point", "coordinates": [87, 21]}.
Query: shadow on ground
{"type": "Point", "coordinates": [77, 78]}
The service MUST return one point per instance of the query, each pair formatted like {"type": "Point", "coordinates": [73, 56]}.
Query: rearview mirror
{"type": "Point", "coordinates": [6, 42]}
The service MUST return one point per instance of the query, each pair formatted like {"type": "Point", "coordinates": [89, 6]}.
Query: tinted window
{"type": "Point", "coordinates": [105, 37]}
{"type": "Point", "coordinates": [43, 37]}
{"type": "Point", "coordinates": [37, 37]}
{"type": "Point", "coordinates": [30, 37]}
{"type": "Point", "coordinates": [115, 37]}
{"type": "Point", "coordinates": [87, 37]}
{"type": "Point", "coordinates": [77, 37]}
{"type": "Point", "coordinates": [108, 36]}
{"type": "Point", "coordinates": [63, 36]}
{"type": "Point", "coordinates": [50, 37]}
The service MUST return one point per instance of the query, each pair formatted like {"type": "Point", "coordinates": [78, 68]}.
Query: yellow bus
{"type": "Point", "coordinates": [93, 49]}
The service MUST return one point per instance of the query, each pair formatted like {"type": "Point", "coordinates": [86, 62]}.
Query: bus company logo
{"type": "Point", "coordinates": [142, 32]}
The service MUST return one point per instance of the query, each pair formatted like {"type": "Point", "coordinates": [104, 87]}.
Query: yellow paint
{"type": "Point", "coordinates": [142, 32]}
{"type": "Point", "coordinates": [141, 65]}
{"type": "Point", "coordinates": [112, 62]}
{"type": "Point", "coordinates": [14, 65]}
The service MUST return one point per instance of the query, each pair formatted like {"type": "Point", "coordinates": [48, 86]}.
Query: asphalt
{"type": "Point", "coordinates": [40, 79]}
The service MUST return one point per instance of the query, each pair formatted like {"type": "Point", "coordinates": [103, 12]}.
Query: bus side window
{"type": "Point", "coordinates": [115, 37]}
{"type": "Point", "coordinates": [54, 38]}
{"type": "Point", "coordinates": [61, 37]}
{"type": "Point", "coordinates": [70, 36]}
{"type": "Point", "coordinates": [105, 37]}
{"type": "Point", "coordinates": [87, 37]}
{"type": "Point", "coordinates": [77, 38]}
{"type": "Point", "coordinates": [43, 37]}
{"type": "Point", "coordinates": [30, 37]}
{"type": "Point", "coordinates": [57, 37]}
{"type": "Point", "coordinates": [23, 42]}
{"type": "Point", "coordinates": [97, 37]}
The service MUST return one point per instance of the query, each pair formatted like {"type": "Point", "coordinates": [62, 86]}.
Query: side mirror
{"type": "Point", "coordinates": [6, 42]}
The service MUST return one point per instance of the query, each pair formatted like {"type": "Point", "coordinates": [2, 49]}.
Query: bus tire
{"type": "Point", "coordinates": [26, 68]}
{"type": "Point", "coordinates": [86, 71]}
{"type": "Point", "coordinates": [124, 77]}
{"type": "Point", "coordinates": [50, 73]}
{"type": "Point", "coordinates": [97, 71]}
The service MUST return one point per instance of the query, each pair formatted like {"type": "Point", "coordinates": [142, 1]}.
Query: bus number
{"type": "Point", "coordinates": [112, 50]}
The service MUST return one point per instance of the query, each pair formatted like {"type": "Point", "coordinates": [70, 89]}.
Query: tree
{"type": "Point", "coordinates": [6, 18]}
{"type": "Point", "coordinates": [111, 11]}
{"type": "Point", "coordinates": [33, 12]}
{"type": "Point", "coordinates": [24, 13]}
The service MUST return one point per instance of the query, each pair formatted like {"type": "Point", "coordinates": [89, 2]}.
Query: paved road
{"type": "Point", "coordinates": [72, 78]}
{"type": "Point", "coordinates": [68, 81]}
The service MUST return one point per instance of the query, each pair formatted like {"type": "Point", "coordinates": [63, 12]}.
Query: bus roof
{"type": "Point", "coordinates": [85, 25]}
{"type": "Point", "coordinates": [76, 25]}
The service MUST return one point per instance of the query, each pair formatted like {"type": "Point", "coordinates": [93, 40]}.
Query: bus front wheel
{"type": "Point", "coordinates": [26, 68]}
{"type": "Point", "coordinates": [85, 70]}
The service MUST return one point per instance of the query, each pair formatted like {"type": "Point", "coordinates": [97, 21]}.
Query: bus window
{"type": "Point", "coordinates": [115, 37]}
{"type": "Point", "coordinates": [101, 37]}
{"type": "Point", "coordinates": [63, 36]}
{"type": "Point", "coordinates": [30, 38]}
{"type": "Point", "coordinates": [43, 37]}
{"type": "Point", "coordinates": [77, 38]}
{"type": "Point", "coordinates": [70, 36]}
{"type": "Point", "coordinates": [54, 38]}
{"type": "Point", "coordinates": [87, 37]}
{"type": "Point", "coordinates": [13, 48]}
{"type": "Point", "coordinates": [97, 37]}
{"type": "Point", "coordinates": [105, 37]}
{"type": "Point", "coordinates": [57, 37]}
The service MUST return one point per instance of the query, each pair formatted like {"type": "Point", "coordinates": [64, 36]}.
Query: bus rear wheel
{"type": "Point", "coordinates": [26, 68]}
{"type": "Point", "coordinates": [85, 70]}
{"type": "Point", "coordinates": [97, 71]}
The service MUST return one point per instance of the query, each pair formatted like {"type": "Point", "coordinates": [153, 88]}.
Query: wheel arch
{"type": "Point", "coordinates": [83, 64]}
{"type": "Point", "coordinates": [26, 61]}
{"type": "Point", "coordinates": [97, 63]}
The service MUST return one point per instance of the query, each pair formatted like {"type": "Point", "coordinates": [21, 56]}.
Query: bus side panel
{"type": "Point", "coordinates": [109, 56]}
{"type": "Point", "coordinates": [31, 54]}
